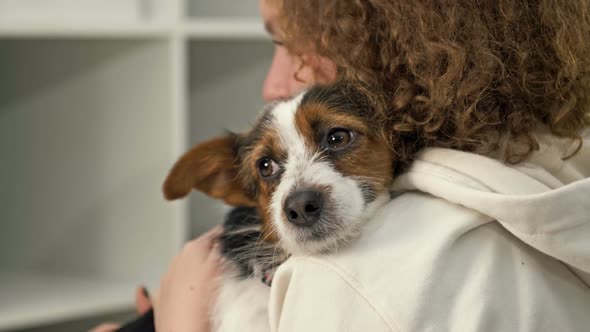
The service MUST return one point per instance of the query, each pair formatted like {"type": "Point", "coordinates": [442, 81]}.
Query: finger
{"type": "Point", "coordinates": [106, 327]}
{"type": "Point", "coordinates": [143, 302]}
{"type": "Point", "coordinates": [204, 242]}
{"type": "Point", "coordinates": [215, 252]}
{"type": "Point", "coordinates": [215, 262]}
{"type": "Point", "coordinates": [212, 234]}
{"type": "Point", "coordinates": [174, 262]}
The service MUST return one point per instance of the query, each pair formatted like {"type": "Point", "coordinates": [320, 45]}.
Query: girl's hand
{"type": "Point", "coordinates": [106, 327]}
{"type": "Point", "coordinates": [188, 288]}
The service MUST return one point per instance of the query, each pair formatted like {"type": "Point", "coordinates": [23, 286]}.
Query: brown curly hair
{"type": "Point", "coordinates": [462, 74]}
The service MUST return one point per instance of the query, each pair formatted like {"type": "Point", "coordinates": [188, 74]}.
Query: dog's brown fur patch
{"type": "Point", "coordinates": [261, 144]}
{"type": "Point", "coordinates": [368, 157]}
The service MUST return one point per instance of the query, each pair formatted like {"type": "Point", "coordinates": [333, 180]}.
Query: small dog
{"type": "Point", "coordinates": [309, 174]}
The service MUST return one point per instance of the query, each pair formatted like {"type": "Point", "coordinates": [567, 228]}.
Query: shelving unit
{"type": "Point", "coordinates": [97, 100]}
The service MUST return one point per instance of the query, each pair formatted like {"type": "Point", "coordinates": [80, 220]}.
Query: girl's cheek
{"type": "Point", "coordinates": [289, 74]}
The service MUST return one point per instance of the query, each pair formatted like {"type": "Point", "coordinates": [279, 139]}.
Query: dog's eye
{"type": "Point", "coordinates": [267, 167]}
{"type": "Point", "coordinates": [339, 138]}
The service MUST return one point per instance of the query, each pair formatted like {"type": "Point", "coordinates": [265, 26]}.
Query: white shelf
{"type": "Point", "coordinates": [83, 11]}
{"type": "Point", "coordinates": [31, 299]}
{"type": "Point", "coordinates": [202, 28]}
{"type": "Point", "coordinates": [69, 30]}
{"type": "Point", "coordinates": [226, 28]}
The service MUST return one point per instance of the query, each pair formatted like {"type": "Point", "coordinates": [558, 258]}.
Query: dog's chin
{"type": "Point", "coordinates": [323, 237]}
{"type": "Point", "coordinates": [328, 234]}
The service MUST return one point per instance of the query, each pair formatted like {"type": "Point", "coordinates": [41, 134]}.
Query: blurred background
{"type": "Point", "coordinates": [97, 100]}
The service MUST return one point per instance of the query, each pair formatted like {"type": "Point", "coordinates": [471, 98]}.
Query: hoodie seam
{"type": "Point", "coordinates": [436, 163]}
{"type": "Point", "coordinates": [511, 229]}
{"type": "Point", "coordinates": [450, 179]}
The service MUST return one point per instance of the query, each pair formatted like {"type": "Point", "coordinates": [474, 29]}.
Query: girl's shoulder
{"type": "Point", "coordinates": [424, 262]}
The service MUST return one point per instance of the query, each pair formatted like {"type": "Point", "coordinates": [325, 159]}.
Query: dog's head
{"type": "Point", "coordinates": [315, 167]}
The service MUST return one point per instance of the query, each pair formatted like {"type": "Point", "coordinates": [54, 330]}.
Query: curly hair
{"type": "Point", "coordinates": [474, 75]}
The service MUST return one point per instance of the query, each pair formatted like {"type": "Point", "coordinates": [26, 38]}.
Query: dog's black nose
{"type": "Point", "coordinates": [303, 208]}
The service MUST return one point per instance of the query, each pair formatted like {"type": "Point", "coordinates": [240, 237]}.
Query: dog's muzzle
{"type": "Point", "coordinates": [303, 207]}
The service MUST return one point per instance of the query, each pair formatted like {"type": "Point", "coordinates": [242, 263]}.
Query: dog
{"type": "Point", "coordinates": [306, 178]}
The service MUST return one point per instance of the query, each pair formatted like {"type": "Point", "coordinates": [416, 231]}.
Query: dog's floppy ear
{"type": "Point", "coordinates": [209, 167]}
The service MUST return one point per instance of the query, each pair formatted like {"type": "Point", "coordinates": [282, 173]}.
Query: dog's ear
{"type": "Point", "coordinates": [209, 167]}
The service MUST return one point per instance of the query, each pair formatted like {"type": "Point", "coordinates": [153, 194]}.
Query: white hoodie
{"type": "Point", "coordinates": [471, 244]}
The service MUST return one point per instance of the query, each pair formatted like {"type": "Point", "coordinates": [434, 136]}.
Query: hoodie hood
{"type": "Point", "coordinates": [544, 202]}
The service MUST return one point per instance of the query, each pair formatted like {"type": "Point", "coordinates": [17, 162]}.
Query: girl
{"type": "Point", "coordinates": [490, 103]}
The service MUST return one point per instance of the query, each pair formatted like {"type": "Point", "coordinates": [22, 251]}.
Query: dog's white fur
{"type": "Point", "coordinates": [241, 305]}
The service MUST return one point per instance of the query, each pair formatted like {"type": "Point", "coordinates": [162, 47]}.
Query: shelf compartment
{"type": "Point", "coordinates": [87, 138]}
{"type": "Point", "coordinates": [222, 8]}
{"type": "Point", "coordinates": [224, 92]}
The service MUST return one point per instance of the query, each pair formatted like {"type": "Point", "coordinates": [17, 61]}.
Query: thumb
{"type": "Point", "coordinates": [142, 300]}
{"type": "Point", "coordinates": [106, 327]}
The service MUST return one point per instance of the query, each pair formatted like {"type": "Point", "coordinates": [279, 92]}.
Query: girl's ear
{"type": "Point", "coordinates": [209, 167]}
